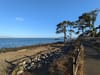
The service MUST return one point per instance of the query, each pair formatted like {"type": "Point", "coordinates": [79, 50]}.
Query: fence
{"type": "Point", "coordinates": [77, 60]}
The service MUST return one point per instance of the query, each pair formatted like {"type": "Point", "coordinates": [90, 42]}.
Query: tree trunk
{"type": "Point", "coordinates": [82, 30]}
{"type": "Point", "coordinates": [65, 38]}
{"type": "Point", "coordinates": [70, 33]}
{"type": "Point", "coordinates": [65, 35]}
{"type": "Point", "coordinates": [70, 36]}
{"type": "Point", "coordinates": [93, 31]}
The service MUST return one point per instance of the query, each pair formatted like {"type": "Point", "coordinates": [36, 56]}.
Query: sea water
{"type": "Point", "coordinates": [18, 42]}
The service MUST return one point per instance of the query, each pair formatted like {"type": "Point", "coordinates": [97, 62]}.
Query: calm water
{"type": "Point", "coordinates": [18, 42]}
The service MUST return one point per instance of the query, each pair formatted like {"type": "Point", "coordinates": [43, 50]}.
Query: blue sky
{"type": "Point", "coordinates": [38, 18]}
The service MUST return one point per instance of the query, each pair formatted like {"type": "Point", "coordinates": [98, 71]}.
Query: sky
{"type": "Point", "coordinates": [38, 18]}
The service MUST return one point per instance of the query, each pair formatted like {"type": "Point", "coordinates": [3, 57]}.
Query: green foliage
{"type": "Point", "coordinates": [62, 28]}
{"type": "Point", "coordinates": [85, 22]}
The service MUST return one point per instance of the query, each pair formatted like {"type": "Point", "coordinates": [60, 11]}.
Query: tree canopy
{"type": "Point", "coordinates": [84, 24]}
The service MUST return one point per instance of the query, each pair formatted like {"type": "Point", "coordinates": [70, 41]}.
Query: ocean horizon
{"type": "Point", "coordinates": [19, 42]}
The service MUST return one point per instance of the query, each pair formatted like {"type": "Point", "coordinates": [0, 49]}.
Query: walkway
{"type": "Point", "coordinates": [92, 61]}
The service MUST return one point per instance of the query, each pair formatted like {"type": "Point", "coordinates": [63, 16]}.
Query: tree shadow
{"type": "Point", "coordinates": [94, 56]}
{"type": "Point", "coordinates": [92, 52]}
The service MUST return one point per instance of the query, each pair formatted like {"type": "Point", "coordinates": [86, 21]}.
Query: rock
{"type": "Point", "coordinates": [20, 72]}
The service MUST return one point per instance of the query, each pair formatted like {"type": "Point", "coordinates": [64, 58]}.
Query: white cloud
{"type": "Point", "coordinates": [20, 19]}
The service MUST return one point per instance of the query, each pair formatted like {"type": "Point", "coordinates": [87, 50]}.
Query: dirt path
{"type": "Point", "coordinates": [92, 61]}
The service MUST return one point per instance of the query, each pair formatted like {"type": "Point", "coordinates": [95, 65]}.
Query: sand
{"type": "Point", "coordinates": [13, 55]}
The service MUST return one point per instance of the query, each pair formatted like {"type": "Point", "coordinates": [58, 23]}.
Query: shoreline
{"type": "Point", "coordinates": [13, 54]}
{"type": "Point", "coordinates": [3, 50]}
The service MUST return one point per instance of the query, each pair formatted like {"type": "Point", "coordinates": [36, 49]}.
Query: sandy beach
{"type": "Point", "coordinates": [14, 55]}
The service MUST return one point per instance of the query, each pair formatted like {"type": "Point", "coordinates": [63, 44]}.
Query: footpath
{"type": "Point", "coordinates": [92, 61]}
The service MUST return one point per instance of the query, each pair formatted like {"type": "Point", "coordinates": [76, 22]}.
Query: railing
{"type": "Point", "coordinates": [77, 60]}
